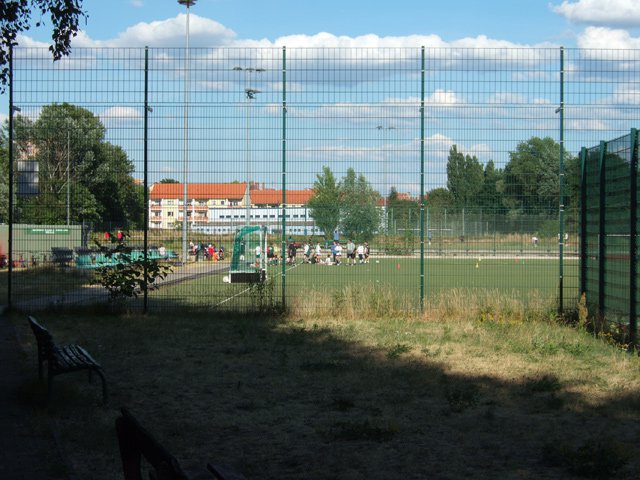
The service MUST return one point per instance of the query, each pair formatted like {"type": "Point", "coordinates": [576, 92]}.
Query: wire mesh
{"type": "Point", "coordinates": [434, 170]}
{"type": "Point", "coordinates": [609, 178]}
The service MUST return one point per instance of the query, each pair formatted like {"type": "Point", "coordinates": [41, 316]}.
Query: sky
{"type": "Point", "coordinates": [579, 24]}
{"type": "Point", "coordinates": [572, 23]}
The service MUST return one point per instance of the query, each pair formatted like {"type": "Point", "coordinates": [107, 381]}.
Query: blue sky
{"type": "Point", "coordinates": [574, 23]}
{"type": "Point", "coordinates": [589, 24]}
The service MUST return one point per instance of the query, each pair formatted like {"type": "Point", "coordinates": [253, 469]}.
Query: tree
{"type": "Point", "coordinates": [439, 199]}
{"type": "Point", "coordinates": [324, 205]}
{"type": "Point", "coordinates": [359, 214]}
{"type": "Point", "coordinates": [15, 18]}
{"type": "Point", "coordinates": [77, 170]}
{"type": "Point", "coordinates": [490, 196]}
{"type": "Point", "coordinates": [532, 175]}
{"type": "Point", "coordinates": [464, 177]}
{"type": "Point", "coordinates": [172, 180]}
{"type": "Point", "coordinates": [404, 212]}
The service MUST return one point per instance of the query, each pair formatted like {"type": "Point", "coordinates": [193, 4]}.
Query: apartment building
{"type": "Point", "coordinates": [222, 207]}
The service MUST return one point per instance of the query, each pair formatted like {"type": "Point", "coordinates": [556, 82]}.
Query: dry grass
{"type": "Point", "coordinates": [481, 387]}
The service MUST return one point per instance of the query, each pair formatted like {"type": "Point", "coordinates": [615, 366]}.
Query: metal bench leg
{"type": "Point", "coordinates": [49, 387]}
{"type": "Point", "coordinates": [104, 386]}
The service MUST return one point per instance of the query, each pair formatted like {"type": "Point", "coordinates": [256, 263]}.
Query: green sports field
{"type": "Point", "coordinates": [520, 278]}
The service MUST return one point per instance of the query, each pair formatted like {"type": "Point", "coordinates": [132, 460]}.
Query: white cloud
{"type": "Point", "coordinates": [137, 3]}
{"type": "Point", "coordinates": [120, 114]}
{"type": "Point", "coordinates": [601, 12]}
{"type": "Point", "coordinates": [442, 97]}
{"type": "Point", "coordinates": [607, 38]}
{"type": "Point", "coordinates": [203, 32]}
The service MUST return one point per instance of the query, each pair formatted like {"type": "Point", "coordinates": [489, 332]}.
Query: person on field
{"type": "Point", "coordinates": [338, 254]}
{"type": "Point", "coordinates": [360, 253]}
{"type": "Point", "coordinates": [366, 252]}
{"type": "Point", "coordinates": [291, 253]}
{"type": "Point", "coordinates": [351, 252]}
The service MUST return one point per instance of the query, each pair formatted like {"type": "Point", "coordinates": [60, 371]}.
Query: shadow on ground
{"type": "Point", "coordinates": [303, 399]}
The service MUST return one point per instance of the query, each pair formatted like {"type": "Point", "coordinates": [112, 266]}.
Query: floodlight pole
{"type": "Point", "coordinates": [185, 153]}
{"type": "Point", "coordinates": [385, 173]}
{"type": "Point", "coordinates": [68, 176]}
{"type": "Point", "coordinates": [250, 94]}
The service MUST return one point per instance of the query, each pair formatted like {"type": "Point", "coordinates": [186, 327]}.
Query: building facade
{"type": "Point", "coordinates": [220, 208]}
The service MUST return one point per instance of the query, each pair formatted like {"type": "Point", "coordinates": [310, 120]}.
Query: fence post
{"type": "Point", "coordinates": [146, 178]}
{"type": "Point", "coordinates": [422, 181]}
{"type": "Point", "coordinates": [561, 172]}
{"type": "Point", "coordinates": [633, 233]}
{"type": "Point", "coordinates": [284, 176]}
{"type": "Point", "coordinates": [12, 109]}
{"type": "Point", "coordinates": [601, 229]}
{"type": "Point", "coordinates": [583, 221]}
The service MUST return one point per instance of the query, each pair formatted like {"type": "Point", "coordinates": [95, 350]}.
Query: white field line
{"type": "Point", "coordinates": [246, 289]}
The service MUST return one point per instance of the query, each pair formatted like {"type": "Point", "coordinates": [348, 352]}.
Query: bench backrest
{"type": "Point", "coordinates": [136, 443]}
{"type": "Point", "coordinates": [44, 339]}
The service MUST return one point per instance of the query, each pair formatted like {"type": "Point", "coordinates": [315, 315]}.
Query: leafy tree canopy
{"type": "Point", "coordinates": [324, 206]}
{"type": "Point", "coordinates": [77, 170]}
{"type": "Point", "coordinates": [360, 217]}
{"type": "Point", "coordinates": [464, 177]}
{"type": "Point", "coordinates": [16, 17]}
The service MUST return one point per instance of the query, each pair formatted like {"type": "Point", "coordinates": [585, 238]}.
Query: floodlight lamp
{"type": "Point", "coordinates": [188, 3]}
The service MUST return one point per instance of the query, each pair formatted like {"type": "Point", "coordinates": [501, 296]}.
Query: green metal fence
{"type": "Point", "coordinates": [609, 276]}
{"type": "Point", "coordinates": [447, 168]}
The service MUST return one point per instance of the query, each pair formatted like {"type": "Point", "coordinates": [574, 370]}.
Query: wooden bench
{"type": "Point", "coordinates": [136, 443]}
{"type": "Point", "coordinates": [63, 359]}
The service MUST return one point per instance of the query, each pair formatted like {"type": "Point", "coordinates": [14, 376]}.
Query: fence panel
{"type": "Point", "coordinates": [449, 152]}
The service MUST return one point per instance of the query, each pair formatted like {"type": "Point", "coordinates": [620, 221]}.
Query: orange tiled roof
{"type": "Point", "coordinates": [270, 196]}
{"type": "Point", "coordinates": [233, 191]}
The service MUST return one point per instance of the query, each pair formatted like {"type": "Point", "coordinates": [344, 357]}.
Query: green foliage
{"type": "Point", "coordinates": [531, 176]}
{"type": "Point", "coordinates": [490, 196]}
{"type": "Point", "coordinates": [439, 198]}
{"type": "Point", "coordinates": [324, 206]}
{"type": "Point", "coordinates": [465, 177]}
{"type": "Point", "coordinates": [15, 18]}
{"type": "Point", "coordinates": [403, 214]}
{"type": "Point", "coordinates": [351, 204]}
{"type": "Point", "coordinates": [263, 297]}
{"type": "Point", "coordinates": [129, 276]}
{"type": "Point", "coordinates": [68, 144]}
{"type": "Point", "coordinates": [360, 216]}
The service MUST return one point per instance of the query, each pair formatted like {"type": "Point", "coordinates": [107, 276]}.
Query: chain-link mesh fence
{"type": "Point", "coordinates": [609, 229]}
{"type": "Point", "coordinates": [432, 169]}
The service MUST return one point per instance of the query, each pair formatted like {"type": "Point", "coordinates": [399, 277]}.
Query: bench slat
{"type": "Point", "coordinates": [74, 357]}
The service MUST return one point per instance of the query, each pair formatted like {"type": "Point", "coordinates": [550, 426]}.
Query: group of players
{"type": "Point", "coordinates": [353, 254]}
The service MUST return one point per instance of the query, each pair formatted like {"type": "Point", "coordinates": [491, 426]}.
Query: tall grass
{"type": "Point", "coordinates": [371, 301]}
